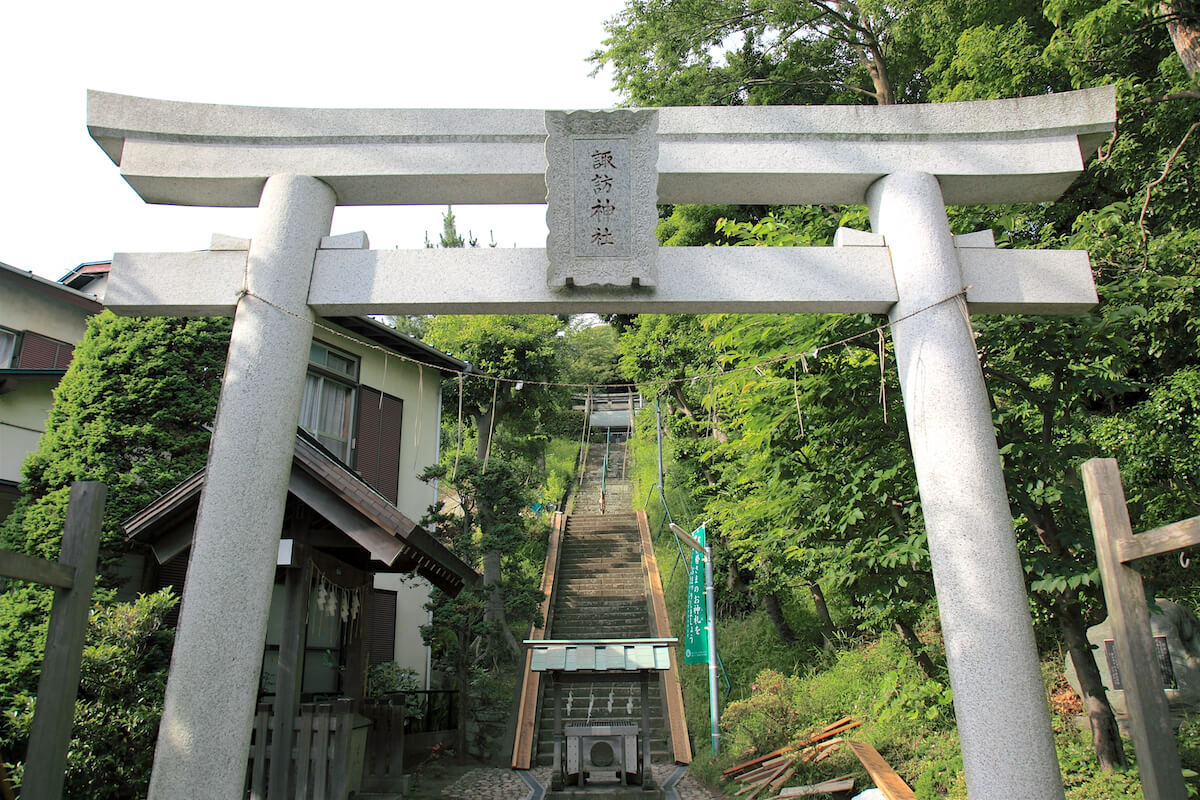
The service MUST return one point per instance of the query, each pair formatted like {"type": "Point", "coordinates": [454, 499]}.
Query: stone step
{"type": "Point", "coordinates": [606, 517]}
{"type": "Point", "coordinates": [598, 587]}
{"type": "Point", "coordinates": [600, 607]}
{"type": "Point", "coordinates": [602, 528]}
{"type": "Point", "coordinates": [584, 624]}
{"type": "Point", "coordinates": [630, 583]}
{"type": "Point", "coordinates": [628, 578]}
{"type": "Point", "coordinates": [600, 577]}
{"type": "Point", "coordinates": [611, 549]}
{"type": "Point", "coordinates": [602, 547]}
{"type": "Point", "coordinates": [597, 602]}
{"type": "Point", "coordinates": [614, 551]}
{"type": "Point", "coordinates": [599, 555]}
{"type": "Point", "coordinates": [599, 617]}
{"type": "Point", "coordinates": [601, 580]}
{"type": "Point", "coordinates": [601, 592]}
{"type": "Point", "coordinates": [595, 566]}
{"type": "Point", "coordinates": [583, 629]}
{"type": "Point", "coordinates": [588, 628]}
{"type": "Point", "coordinates": [601, 610]}
{"type": "Point", "coordinates": [593, 632]}
{"type": "Point", "coordinates": [627, 581]}
{"type": "Point", "coordinates": [608, 619]}
{"type": "Point", "coordinates": [592, 608]}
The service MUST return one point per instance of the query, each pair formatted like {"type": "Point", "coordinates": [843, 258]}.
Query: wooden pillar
{"type": "Point", "coordinates": [560, 768]}
{"type": "Point", "coordinates": [1149, 716]}
{"type": "Point", "coordinates": [289, 674]}
{"type": "Point", "coordinates": [50, 736]}
{"type": "Point", "coordinates": [644, 772]}
{"type": "Point", "coordinates": [354, 680]}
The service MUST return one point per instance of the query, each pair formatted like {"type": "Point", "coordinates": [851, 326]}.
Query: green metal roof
{"type": "Point", "coordinates": [600, 655]}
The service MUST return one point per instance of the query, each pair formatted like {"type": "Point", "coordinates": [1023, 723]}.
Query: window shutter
{"type": "Point", "coordinates": [381, 626]}
{"type": "Point", "coordinates": [377, 449]}
{"type": "Point", "coordinates": [173, 573]}
{"type": "Point", "coordinates": [42, 352]}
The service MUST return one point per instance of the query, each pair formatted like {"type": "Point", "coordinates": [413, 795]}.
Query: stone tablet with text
{"type": "Point", "coordinates": [601, 195]}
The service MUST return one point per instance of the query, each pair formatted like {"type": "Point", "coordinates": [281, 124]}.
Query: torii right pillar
{"type": "Point", "coordinates": [976, 567]}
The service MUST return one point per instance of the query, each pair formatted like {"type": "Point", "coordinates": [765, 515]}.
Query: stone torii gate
{"type": "Point", "coordinates": [602, 173]}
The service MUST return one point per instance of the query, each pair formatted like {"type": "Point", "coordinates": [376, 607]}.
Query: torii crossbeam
{"type": "Point", "coordinates": [904, 162]}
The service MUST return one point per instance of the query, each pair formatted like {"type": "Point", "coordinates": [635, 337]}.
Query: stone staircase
{"type": "Point", "coordinates": [601, 593]}
{"type": "Point", "coordinates": [618, 488]}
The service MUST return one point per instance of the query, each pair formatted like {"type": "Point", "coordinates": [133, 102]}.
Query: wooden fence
{"type": "Point", "coordinates": [326, 758]}
{"type": "Point", "coordinates": [398, 740]}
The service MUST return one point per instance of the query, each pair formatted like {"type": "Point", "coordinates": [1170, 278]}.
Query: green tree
{"type": "Point", "coordinates": [131, 411]}
{"type": "Point", "coordinates": [591, 356]}
{"type": "Point", "coordinates": [506, 351]}
{"type": "Point", "coordinates": [1063, 390]}
{"type": "Point", "coordinates": [465, 636]}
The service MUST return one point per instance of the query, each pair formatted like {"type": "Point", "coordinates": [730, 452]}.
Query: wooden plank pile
{"type": "Point", "coordinates": [773, 770]}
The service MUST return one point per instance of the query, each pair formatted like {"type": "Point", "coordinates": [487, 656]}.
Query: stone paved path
{"type": "Point", "coordinates": [494, 783]}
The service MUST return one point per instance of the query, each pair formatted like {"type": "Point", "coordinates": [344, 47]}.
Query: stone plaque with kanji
{"type": "Point", "coordinates": [601, 195]}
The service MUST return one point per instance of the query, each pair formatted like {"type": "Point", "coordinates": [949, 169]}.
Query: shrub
{"type": "Point", "coordinates": [122, 679]}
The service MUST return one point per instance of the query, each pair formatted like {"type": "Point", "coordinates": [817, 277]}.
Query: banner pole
{"type": "Point", "coordinates": [713, 697]}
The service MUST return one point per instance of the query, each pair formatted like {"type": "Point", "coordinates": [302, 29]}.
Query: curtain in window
{"type": "Point", "coordinates": [325, 413]}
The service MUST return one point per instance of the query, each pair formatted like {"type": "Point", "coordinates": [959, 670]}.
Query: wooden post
{"type": "Point", "coordinates": [1149, 721]}
{"type": "Point", "coordinates": [290, 670]}
{"type": "Point", "coordinates": [354, 677]}
{"type": "Point", "coordinates": [644, 777]}
{"type": "Point", "coordinates": [58, 686]}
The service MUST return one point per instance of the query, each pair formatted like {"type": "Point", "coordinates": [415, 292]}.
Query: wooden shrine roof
{"type": "Point", "coordinates": [327, 486]}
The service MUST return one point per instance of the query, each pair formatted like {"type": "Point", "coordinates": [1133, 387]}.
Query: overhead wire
{"type": "Point", "coordinates": [803, 356]}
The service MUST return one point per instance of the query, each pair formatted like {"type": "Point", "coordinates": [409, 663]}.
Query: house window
{"type": "Point", "coordinates": [327, 411]}
{"type": "Point", "coordinates": [8, 345]}
{"type": "Point", "coordinates": [358, 424]}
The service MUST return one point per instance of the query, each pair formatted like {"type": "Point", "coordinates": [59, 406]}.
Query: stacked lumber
{"type": "Point", "coordinates": [774, 769]}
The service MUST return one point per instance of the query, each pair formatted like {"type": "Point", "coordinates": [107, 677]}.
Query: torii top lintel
{"type": "Point", "coordinates": [1013, 150]}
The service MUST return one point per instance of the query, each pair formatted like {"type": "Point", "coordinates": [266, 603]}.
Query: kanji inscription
{"type": "Point", "coordinates": [601, 182]}
{"type": "Point", "coordinates": [602, 198]}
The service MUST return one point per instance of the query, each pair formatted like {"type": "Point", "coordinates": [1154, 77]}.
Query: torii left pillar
{"type": "Point", "coordinates": [227, 595]}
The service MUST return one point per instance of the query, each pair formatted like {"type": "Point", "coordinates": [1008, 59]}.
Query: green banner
{"type": "Point", "coordinates": [695, 621]}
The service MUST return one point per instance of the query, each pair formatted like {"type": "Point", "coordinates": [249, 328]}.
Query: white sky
{"type": "Point", "coordinates": [63, 202]}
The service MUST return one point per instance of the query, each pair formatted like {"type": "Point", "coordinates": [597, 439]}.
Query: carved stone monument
{"type": "Point", "coordinates": [1176, 636]}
